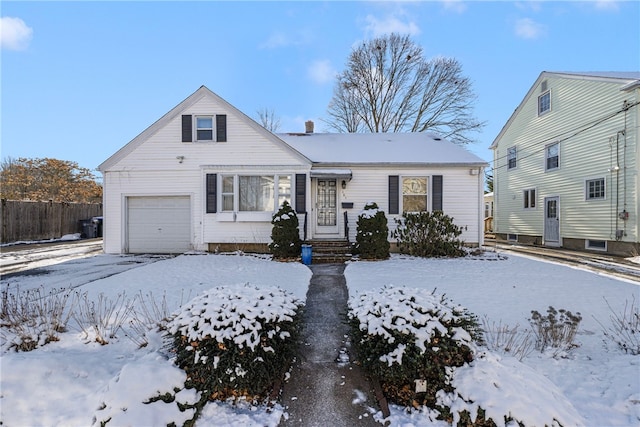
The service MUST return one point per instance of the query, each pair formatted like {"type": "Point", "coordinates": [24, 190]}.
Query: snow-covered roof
{"type": "Point", "coordinates": [380, 148]}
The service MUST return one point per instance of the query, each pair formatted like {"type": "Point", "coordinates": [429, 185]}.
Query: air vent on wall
{"type": "Point", "coordinates": [543, 87]}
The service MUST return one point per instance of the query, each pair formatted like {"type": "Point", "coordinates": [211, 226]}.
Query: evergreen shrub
{"type": "Point", "coordinates": [428, 234]}
{"type": "Point", "coordinates": [236, 341]}
{"type": "Point", "coordinates": [372, 240]}
{"type": "Point", "coordinates": [285, 234]}
{"type": "Point", "coordinates": [402, 335]}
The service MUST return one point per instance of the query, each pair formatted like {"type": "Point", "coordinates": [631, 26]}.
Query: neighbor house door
{"type": "Point", "coordinates": [552, 221]}
{"type": "Point", "coordinates": [326, 206]}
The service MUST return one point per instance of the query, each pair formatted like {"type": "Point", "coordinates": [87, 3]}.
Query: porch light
{"type": "Point", "coordinates": [344, 184]}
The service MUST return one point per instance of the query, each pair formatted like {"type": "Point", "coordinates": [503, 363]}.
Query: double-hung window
{"type": "Point", "coordinates": [544, 103]}
{"type": "Point", "coordinates": [529, 198]}
{"type": "Point", "coordinates": [595, 189]}
{"type": "Point", "coordinates": [414, 194]}
{"type": "Point", "coordinates": [552, 156]}
{"type": "Point", "coordinates": [204, 128]}
{"type": "Point", "coordinates": [512, 157]}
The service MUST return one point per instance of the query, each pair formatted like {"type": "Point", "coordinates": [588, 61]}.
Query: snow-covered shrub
{"type": "Point", "coordinates": [403, 334]}
{"type": "Point", "coordinates": [32, 318]}
{"type": "Point", "coordinates": [428, 234]}
{"type": "Point", "coordinates": [624, 330]}
{"type": "Point", "coordinates": [285, 235]}
{"type": "Point", "coordinates": [556, 330]}
{"type": "Point", "coordinates": [372, 240]}
{"type": "Point", "coordinates": [493, 390]}
{"type": "Point", "coordinates": [236, 341]}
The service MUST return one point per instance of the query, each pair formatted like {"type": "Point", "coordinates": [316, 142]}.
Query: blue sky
{"type": "Point", "coordinates": [81, 79]}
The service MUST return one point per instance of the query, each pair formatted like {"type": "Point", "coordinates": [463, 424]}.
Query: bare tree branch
{"type": "Point", "coordinates": [388, 86]}
{"type": "Point", "coordinates": [268, 119]}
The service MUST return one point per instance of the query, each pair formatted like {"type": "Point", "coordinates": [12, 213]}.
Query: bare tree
{"type": "Point", "coordinates": [388, 86]}
{"type": "Point", "coordinates": [268, 119]}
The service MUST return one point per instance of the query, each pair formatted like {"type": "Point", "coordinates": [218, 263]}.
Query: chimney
{"type": "Point", "coordinates": [308, 126]}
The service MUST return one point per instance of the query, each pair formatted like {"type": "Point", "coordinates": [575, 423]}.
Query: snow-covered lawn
{"type": "Point", "coordinates": [73, 382]}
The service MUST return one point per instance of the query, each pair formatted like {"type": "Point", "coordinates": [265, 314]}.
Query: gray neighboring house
{"type": "Point", "coordinates": [567, 164]}
{"type": "Point", "coordinates": [207, 177]}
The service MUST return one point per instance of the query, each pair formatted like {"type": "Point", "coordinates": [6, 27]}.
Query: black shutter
{"type": "Point", "coordinates": [221, 128]}
{"type": "Point", "coordinates": [436, 188]}
{"type": "Point", "coordinates": [301, 193]}
{"type": "Point", "coordinates": [394, 194]}
{"type": "Point", "coordinates": [187, 129]}
{"type": "Point", "coordinates": [212, 186]}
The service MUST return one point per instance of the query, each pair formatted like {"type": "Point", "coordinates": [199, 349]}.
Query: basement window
{"type": "Point", "coordinates": [512, 237]}
{"type": "Point", "coordinates": [597, 245]}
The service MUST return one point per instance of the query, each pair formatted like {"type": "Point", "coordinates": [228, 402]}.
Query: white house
{"type": "Point", "coordinates": [205, 176]}
{"type": "Point", "coordinates": [567, 164]}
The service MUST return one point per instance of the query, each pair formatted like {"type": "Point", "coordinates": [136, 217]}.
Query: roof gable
{"type": "Point", "coordinates": [626, 80]}
{"type": "Point", "coordinates": [190, 101]}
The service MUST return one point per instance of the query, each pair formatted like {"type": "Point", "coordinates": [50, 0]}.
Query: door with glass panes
{"type": "Point", "coordinates": [326, 207]}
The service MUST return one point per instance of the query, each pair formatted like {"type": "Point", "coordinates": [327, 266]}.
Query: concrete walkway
{"type": "Point", "coordinates": [326, 388]}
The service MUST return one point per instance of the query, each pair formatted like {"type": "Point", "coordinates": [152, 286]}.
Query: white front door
{"type": "Point", "coordinates": [326, 206]}
{"type": "Point", "coordinates": [552, 221]}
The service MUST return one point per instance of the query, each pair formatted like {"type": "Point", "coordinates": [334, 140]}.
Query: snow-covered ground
{"type": "Point", "coordinates": [74, 382]}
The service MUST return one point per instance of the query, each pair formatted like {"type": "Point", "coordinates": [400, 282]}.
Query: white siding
{"type": "Point", "coordinates": [582, 119]}
{"type": "Point", "coordinates": [461, 196]}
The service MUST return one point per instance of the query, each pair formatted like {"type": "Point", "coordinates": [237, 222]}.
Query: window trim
{"type": "Point", "coordinates": [604, 189]}
{"type": "Point", "coordinates": [512, 155]}
{"type": "Point", "coordinates": [547, 158]}
{"type": "Point", "coordinates": [546, 94]}
{"type": "Point", "coordinates": [527, 198]}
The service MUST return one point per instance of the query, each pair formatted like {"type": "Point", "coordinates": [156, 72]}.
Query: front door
{"type": "Point", "coordinates": [552, 221]}
{"type": "Point", "coordinates": [326, 206]}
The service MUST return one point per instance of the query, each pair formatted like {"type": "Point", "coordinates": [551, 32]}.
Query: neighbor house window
{"type": "Point", "coordinates": [595, 189]}
{"type": "Point", "coordinates": [204, 128]}
{"type": "Point", "coordinates": [598, 245]}
{"type": "Point", "coordinates": [530, 198]}
{"type": "Point", "coordinates": [511, 157]}
{"type": "Point", "coordinates": [552, 156]}
{"type": "Point", "coordinates": [414, 194]}
{"type": "Point", "coordinates": [544, 103]}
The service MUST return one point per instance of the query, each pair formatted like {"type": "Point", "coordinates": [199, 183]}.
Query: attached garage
{"type": "Point", "coordinates": [158, 224]}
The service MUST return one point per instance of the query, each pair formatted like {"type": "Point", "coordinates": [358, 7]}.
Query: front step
{"type": "Point", "coordinates": [330, 251]}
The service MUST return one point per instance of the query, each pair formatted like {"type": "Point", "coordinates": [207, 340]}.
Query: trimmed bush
{"type": "Point", "coordinates": [428, 234]}
{"type": "Point", "coordinates": [402, 335]}
{"type": "Point", "coordinates": [372, 233]}
{"type": "Point", "coordinates": [236, 341]}
{"type": "Point", "coordinates": [285, 235]}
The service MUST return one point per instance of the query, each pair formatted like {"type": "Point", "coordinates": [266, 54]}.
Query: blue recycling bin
{"type": "Point", "coordinates": [306, 254]}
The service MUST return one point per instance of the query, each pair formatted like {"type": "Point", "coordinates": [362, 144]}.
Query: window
{"type": "Point", "coordinates": [227, 193]}
{"type": "Point", "coordinates": [414, 194]}
{"type": "Point", "coordinates": [544, 103]}
{"type": "Point", "coordinates": [552, 156]}
{"type": "Point", "coordinates": [595, 189]}
{"type": "Point", "coordinates": [598, 245]}
{"type": "Point", "coordinates": [204, 128]}
{"type": "Point", "coordinates": [512, 237]}
{"type": "Point", "coordinates": [511, 157]}
{"type": "Point", "coordinates": [254, 193]}
{"type": "Point", "coordinates": [530, 198]}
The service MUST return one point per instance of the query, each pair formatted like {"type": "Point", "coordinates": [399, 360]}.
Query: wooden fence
{"type": "Point", "coordinates": [26, 221]}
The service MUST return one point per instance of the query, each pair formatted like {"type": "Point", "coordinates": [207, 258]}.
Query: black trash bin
{"type": "Point", "coordinates": [97, 221]}
{"type": "Point", "coordinates": [88, 229]}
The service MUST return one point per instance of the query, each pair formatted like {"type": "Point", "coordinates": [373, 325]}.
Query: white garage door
{"type": "Point", "coordinates": [159, 224]}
